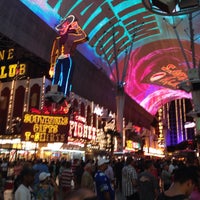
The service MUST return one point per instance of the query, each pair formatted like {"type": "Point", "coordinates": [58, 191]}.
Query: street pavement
{"type": "Point", "coordinates": [119, 196]}
{"type": "Point", "coordinates": [8, 195]}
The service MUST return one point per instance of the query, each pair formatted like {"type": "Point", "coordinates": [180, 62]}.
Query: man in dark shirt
{"type": "Point", "coordinates": [185, 179]}
{"type": "Point", "coordinates": [148, 184]}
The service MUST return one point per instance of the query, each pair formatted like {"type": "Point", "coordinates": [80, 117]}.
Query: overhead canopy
{"type": "Point", "coordinates": [156, 63]}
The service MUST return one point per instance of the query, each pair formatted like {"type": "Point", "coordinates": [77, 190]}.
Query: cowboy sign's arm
{"type": "Point", "coordinates": [54, 56]}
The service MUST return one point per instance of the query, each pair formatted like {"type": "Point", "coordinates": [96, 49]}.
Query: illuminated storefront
{"type": "Point", "coordinates": [132, 146]}
{"type": "Point", "coordinates": [14, 148]}
{"type": "Point", "coordinates": [153, 152]}
{"type": "Point", "coordinates": [42, 133]}
{"type": "Point", "coordinates": [82, 131]}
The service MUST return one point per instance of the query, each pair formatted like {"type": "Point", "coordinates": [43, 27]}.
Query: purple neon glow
{"type": "Point", "coordinates": [146, 61]}
{"type": "Point", "coordinates": [158, 98]}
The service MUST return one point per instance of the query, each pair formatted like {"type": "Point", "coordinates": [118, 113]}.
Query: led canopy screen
{"type": "Point", "coordinates": [149, 58]}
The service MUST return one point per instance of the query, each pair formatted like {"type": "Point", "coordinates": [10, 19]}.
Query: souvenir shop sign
{"type": "Point", "coordinates": [45, 128]}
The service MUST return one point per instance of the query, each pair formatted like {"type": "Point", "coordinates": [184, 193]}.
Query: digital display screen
{"type": "Point", "coordinates": [126, 30]}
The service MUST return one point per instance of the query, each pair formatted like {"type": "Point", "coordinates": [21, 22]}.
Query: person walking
{"type": "Point", "coordinates": [172, 166]}
{"type": "Point", "coordinates": [87, 180]}
{"type": "Point", "coordinates": [104, 189]}
{"type": "Point", "coordinates": [110, 174]}
{"type": "Point", "coordinates": [166, 177]}
{"type": "Point", "coordinates": [184, 181]}
{"type": "Point", "coordinates": [129, 180]}
{"type": "Point", "coordinates": [66, 179]}
{"type": "Point", "coordinates": [24, 190]}
{"type": "Point", "coordinates": [47, 188]}
{"type": "Point", "coordinates": [118, 173]}
{"type": "Point", "coordinates": [39, 167]}
{"type": "Point", "coordinates": [148, 184]}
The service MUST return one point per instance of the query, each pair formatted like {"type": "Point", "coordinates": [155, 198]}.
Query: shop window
{"type": "Point", "coordinates": [75, 106]}
{"type": "Point", "coordinates": [82, 110]}
{"type": "Point", "coordinates": [3, 102]}
{"type": "Point", "coordinates": [34, 100]}
{"type": "Point", "coordinates": [19, 102]}
{"type": "Point", "coordinates": [35, 96]}
{"type": "Point", "coordinates": [89, 116]}
{"type": "Point", "coordinates": [4, 109]}
{"type": "Point", "coordinates": [94, 120]}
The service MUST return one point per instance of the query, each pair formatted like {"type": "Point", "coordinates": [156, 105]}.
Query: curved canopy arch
{"type": "Point", "coordinates": [156, 64]}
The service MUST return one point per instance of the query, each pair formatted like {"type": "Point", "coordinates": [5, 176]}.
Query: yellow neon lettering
{"type": "Point", "coordinates": [27, 136]}
{"type": "Point", "coordinates": [3, 74]}
{"type": "Point", "coordinates": [2, 54]}
{"type": "Point", "coordinates": [36, 128]}
{"type": "Point", "coordinates": [45, 128]}
{"type": "Point", "coordinates": [42, 137]}
{"type": "Point", "coordinates": [49, 120]}
{"type": "Point", "coordinates": [57, 138]}
{"type": "Point", "coordinates": [22, 69]}
{"type": "Point", "coordinates": [12, 70]}
{"type": "Point", "coordinates": [10, 54]}
{"type": "Point", "coordinates": [36, 137]}
{"type": "Point", "coordinates": [51, 138]}
{"type": "Point", "coordinates": [27, 118]}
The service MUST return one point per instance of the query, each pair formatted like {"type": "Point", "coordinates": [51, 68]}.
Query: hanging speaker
{"type": "Point", "coordinates": [183, 4]}
{"type": "Point", "coordinates": [165, 5]}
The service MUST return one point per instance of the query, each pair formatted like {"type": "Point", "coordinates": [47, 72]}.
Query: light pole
{"type": "Point", "coordinates": [119, 80]}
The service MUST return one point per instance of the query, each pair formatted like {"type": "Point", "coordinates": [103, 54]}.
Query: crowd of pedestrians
{"type": "Point", "coordinates": [100, 179]}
